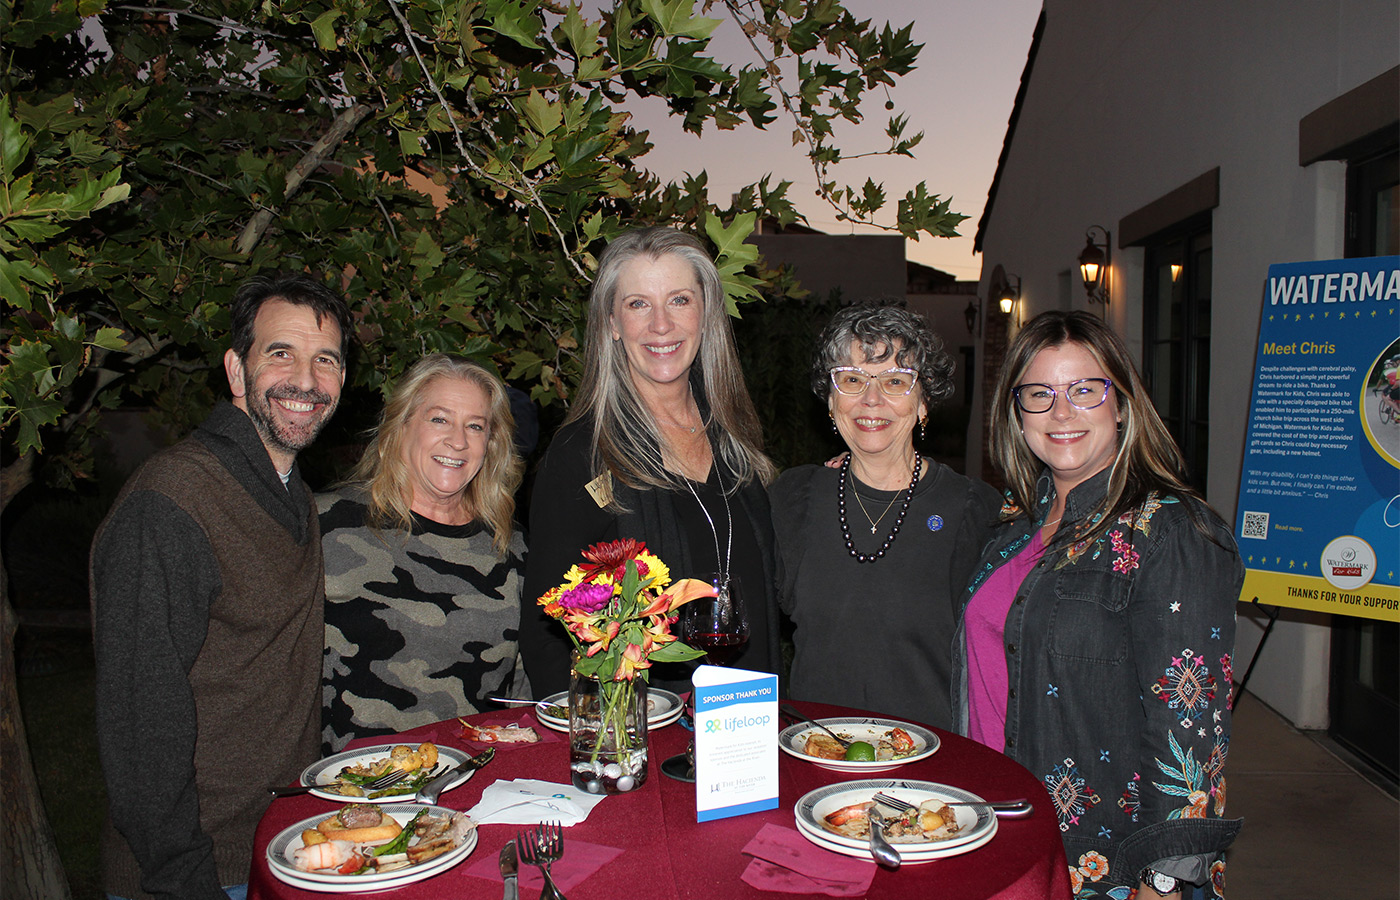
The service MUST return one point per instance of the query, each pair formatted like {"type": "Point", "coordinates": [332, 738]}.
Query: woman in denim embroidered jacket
{"type": "Point", "coordinates": [1118, 642]}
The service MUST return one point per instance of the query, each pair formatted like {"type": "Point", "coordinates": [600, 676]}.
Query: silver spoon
{"type": "Point", "coordinates": [844, 742]}
{"type": "Point", "coordinates": [880, 848]}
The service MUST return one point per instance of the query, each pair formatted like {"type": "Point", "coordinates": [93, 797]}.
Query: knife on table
{"type": "Point", "coordinates": [429, 792]}
{"type": "Point", "coordinates": [508, 867]}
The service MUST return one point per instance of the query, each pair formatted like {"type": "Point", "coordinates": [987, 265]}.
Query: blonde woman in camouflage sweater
{"type": "Point", "coordinates": [423, 562]}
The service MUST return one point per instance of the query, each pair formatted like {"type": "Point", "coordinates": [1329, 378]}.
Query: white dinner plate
{"type": "Point", "coordinates": [288, 841]}
{"type": "Point", "coordinates": [663, 708]}
{"type": "Point", "coordinates": [870, 729]}
{"type": "Point", "coordinates": [976, 824]}
{"type": "Point", "coordinates": [324, 771]}
{"type": "Point", "coordinates": [905, 856]}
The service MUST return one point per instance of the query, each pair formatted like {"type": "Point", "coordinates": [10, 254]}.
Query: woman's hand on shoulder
{"type": "Point", "coordinates": [836, 461]}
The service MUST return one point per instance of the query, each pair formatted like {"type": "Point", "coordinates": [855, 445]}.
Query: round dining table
{"type": "Point", "coordinates": [647, 843]}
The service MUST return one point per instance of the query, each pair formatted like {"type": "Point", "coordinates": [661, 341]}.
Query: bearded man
{"type": "Point", "coordinates": [207, 592]}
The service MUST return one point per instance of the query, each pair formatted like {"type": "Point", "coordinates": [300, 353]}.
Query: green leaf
{"type": "Point", "coordinates": [542, 115]}
{"type": "Point", "coordinates": [674, 18]}
{"type": "Point", "coordinates": [323, 27]}
{"type": "Point", "coordinates": [410, 142]}
{"type": "Point", "coordinates": [580, 34]}
{"type": "Point", "coordinates": [514, 20]}
{"type": "Point", "coordinates": [33, 416]}
{"type": "Point", "coordinates": [14, 145]}
{"type": "Point", "coordinates": [13, 274]}
{"type": "Point", "coordinates": [729, 242]}
{"type": "Point", "coordinates": [109, 339]}
{"type": "Point", "coordinates": [676, 651]}
{"type": "Point", "coordinates": [733, 257]}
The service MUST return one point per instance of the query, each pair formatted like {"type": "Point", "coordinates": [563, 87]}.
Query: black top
{"type": "Point", "coordinates": [565, 520]}
{"type": "Point", "coordinates": [878, 636]}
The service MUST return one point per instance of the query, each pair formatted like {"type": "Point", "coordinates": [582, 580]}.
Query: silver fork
{"type": "Point", "coordinates": [541, 847]}
{"type": "Point", "coordinates": [379, 784]}
{"type": "Point", "coordinates": [1001, 808]}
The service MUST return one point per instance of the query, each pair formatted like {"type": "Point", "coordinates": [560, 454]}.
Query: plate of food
{"type": "Point", "coordinates": [836, 817]}
{"type": "Point", "coordinates": [344, 775]}
{"type": "Point", "coordinates": [878, 745]}
{"type": "Point", "coordinates": [370, 847]}
{"type": "Point", "coordinates": [663, 708]}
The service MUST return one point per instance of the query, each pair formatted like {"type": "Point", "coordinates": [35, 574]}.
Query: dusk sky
{"type": "Point", "coordinates": [960, 96]}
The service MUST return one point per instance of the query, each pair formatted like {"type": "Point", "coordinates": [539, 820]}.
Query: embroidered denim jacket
{"type": "Point", "coordinates": [1118, 653]}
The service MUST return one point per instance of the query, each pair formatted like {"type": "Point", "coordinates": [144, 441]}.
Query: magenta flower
{"type": "Point", "coordinates": [587, 598]}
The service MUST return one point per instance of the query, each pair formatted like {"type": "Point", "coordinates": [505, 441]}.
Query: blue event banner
{"type": "Point", "coordinates": [1318, 518]}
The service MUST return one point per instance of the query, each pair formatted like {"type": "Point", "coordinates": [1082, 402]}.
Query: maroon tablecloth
{"type": "Point", "coordinates": [667, 855]}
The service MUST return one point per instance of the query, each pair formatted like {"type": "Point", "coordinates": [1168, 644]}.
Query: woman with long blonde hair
{"type": "Point", "coordinates": [423, 560]}
{"type": "Point", "coordinates": [662, 445]}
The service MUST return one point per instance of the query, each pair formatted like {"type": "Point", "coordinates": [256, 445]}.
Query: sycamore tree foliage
{"type": "Point", "coordinates": [454, 165]}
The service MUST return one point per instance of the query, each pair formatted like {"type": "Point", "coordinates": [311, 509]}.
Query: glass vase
{"type": "Point", "coordinates": [607, 733]}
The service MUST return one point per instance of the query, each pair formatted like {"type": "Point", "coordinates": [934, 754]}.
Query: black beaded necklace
{"type": "Point", "coordinates": [894, 532]}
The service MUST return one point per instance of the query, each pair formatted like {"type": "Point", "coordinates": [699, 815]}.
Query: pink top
{"type": "Point", "coordinates": [985, 630]}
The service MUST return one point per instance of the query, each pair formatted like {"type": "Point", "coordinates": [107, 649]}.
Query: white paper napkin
{"type": "Point", "coordinates": [526, 801]}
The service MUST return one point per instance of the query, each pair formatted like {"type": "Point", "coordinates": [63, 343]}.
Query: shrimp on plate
{"type": "Point", "coordinates": [327, 855]}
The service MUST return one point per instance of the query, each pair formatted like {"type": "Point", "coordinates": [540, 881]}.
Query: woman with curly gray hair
{"type": "Point", "coordinates": [874, 554]}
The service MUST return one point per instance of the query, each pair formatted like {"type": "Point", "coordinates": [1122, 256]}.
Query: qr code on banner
{"type": "Point", "coordinates": [1256, 525]}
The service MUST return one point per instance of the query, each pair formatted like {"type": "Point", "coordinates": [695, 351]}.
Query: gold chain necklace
{"type": "Point", "coordinates": [875, 523]}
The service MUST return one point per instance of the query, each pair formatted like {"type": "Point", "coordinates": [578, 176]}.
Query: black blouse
{"type": "Point", "coordinates": [565, 520]}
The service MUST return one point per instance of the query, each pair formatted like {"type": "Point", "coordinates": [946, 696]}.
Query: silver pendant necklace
{"type": "Point", "coordinates": [723, 586]}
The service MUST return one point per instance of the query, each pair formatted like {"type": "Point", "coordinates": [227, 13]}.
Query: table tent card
{"type": "Point", "coordinates": [736, 742]}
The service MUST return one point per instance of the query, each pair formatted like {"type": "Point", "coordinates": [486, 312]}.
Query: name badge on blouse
{"type": "Point", "coordinates": [600, 489]}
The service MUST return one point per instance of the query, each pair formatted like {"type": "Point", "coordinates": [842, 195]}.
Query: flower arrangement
{"type": "Point", "coordinates": [618, 611]}
{"type": "Point", "coordinates": [618, 608]}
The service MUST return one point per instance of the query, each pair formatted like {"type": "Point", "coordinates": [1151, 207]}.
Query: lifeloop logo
{"type": "Point", "coordinates": [1348, 563]}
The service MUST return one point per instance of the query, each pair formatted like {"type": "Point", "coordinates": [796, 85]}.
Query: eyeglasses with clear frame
{"type": "Point", "coordinates": [1084, 394]}
{"type": "Point", "coordinates": [852, 381]}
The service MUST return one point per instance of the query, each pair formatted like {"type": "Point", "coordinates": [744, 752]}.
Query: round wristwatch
{"type": "Point", "coordinates": [1160, 882]}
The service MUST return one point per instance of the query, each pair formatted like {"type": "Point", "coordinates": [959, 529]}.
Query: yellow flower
{"type": "Point", "coordinates": [657, 571]}
{"type": "Point", "coordinates": [573, 578]}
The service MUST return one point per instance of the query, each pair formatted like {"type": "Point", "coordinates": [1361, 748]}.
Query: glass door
{"type": "Point", "coordinates": [1176, 340]}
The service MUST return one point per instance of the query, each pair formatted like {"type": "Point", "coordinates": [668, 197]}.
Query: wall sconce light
{"type": "Point", "coordinates": [970, 316]}
{"type": "Point", "coordinates": [1176, 272]}
{"type": "Point", "coordinates": [1095, 262]}
{"type": "Point", "coordinates": [1009, 294]}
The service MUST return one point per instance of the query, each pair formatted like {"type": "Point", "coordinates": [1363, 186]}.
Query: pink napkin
{"type": "Point", "coordinates": [580, 860]}
{"type": "Point", "coordinates": [785, 861]}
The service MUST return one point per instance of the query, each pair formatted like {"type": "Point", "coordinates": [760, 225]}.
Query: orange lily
{"type": "Point", "coordinates": [634, 659]}
{"type": "Point", "coordinates": [585, 628]}
{"type": "Point", "coordinates": [681, 593]}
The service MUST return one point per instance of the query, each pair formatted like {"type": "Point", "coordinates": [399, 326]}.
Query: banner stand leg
{"type": "Point", "coordinates": [1272, 613]}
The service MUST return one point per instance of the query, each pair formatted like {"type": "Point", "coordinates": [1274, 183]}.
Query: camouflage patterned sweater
{"type": "Point", "coordinates": [419, 627]}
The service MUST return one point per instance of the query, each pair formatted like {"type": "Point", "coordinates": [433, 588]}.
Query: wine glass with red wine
{"type": "Point", "coordinates": [718, 625]}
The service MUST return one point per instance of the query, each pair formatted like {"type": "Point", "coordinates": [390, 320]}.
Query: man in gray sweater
{"type": "Point", "coordinates": [207, 591]}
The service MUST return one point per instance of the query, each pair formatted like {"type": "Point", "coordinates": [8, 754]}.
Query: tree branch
{"type": "Point", "coordinates": [531, 195]}
{"type": "Point", "coordinates": [344, 123]}
{"type": "Point", "coordinates": [221, 22]}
